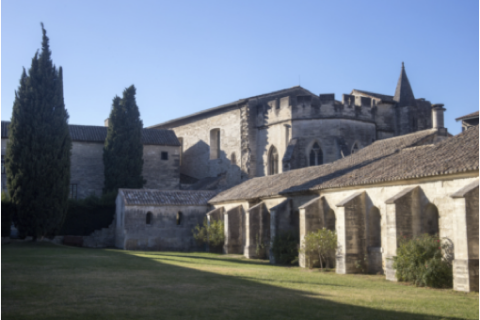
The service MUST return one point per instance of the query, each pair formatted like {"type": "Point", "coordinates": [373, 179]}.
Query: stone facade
{"type": "Point", "coordinates": [292, 128]}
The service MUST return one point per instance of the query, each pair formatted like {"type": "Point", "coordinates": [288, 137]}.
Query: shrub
{"type": "Point", "coordinates": [319, 247]}
{"type": "Point", "coordinates": [8, 209]}
{"type": "Point", "coordinates": [285, 248]}
{"type": "Point", "coordinates": [211, 233]}
{"type": "Point", "coordinates": [421, 261]}
{"type": "Point", "coordinates": [87, 215]}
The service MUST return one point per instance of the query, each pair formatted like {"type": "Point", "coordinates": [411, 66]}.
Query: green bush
{"type": "Point", "coordinates": [319, 247]}
{"type": "Point", "coordinates": [8, 210]}
{"type": "Point", "coordinates": [421, 261]}
{"type": "Point", "coordinates": [285, 248]}
{"type": "Point", "coordinates": [212, 233]}
{"type": "Point", "coordinates": [87, 215]}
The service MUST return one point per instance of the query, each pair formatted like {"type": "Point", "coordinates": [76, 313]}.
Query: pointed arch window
{"type": "Point", "coordinates": [355, 148]}
{"type": "Point", "coordinates": [316, 155]}
{"type": "Point", "coordinates": [273, 161]}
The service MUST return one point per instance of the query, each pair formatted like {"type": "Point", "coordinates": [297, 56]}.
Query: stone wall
{"type": "Point", "coordinates": [86, 169]}
{"type": "Point", "coordinates": [163, 233]}
{"type": "Point", "coordinates": [161, 174]}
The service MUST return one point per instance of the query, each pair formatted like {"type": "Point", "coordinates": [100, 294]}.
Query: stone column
{"type": "Point", "coordinates": [465, 219]}
{"type": "Point", "coordinates": [351, 220]}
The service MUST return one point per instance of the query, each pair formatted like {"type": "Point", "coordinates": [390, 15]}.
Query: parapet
{"type": "Point", "coordinates": [327, 98]}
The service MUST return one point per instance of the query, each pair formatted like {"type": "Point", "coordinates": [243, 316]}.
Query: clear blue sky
{"type": "Point", "coordinates": [186, 56]}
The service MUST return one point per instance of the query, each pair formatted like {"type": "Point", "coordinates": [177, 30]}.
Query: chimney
{"type": "Point", "coordinates": [106, 122]}
{"type": "Point", "coordinates": [437, 116]}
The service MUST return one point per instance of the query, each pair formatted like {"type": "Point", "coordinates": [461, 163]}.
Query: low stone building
{"type": "Point", "coordinates": [159, 219]}
{"type": "Point", "coordinates": [161, 152]}
{"type": "Point", "coordinates": [424, 182]}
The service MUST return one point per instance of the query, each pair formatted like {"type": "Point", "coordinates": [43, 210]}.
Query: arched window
{"type": "Point", "coordinates": [214, 143]}
{"type": "Point", "coordinates": [316, 155]}
{"type": "Point", "coordinates": [374, 228]}
{"type": "Point", "coordinates": [431, 220]}
{"type": "Point", "coordinates": [330, 220]}
{"type": "Point", "coordinates": [233, 159]}
{"type": "Point", "coordinates": [272, 161]}
{"type": "Point", "coordinates": [179, 217]}
{"type": "Point", "coordinates": [149, 218]}
{"type": "Point", "coordinates": [355, 148]}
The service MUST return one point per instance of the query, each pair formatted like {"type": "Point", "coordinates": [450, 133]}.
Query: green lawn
{"type": "Point", "coordinates": [45, 281]}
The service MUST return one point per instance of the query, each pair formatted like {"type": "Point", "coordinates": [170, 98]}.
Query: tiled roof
{"type": "Point", "coordinates": [470, 115]}
{"type": "Point", "coordinates": [384, 160]}
{"type": "Point", "coordinates": [151, 197]}
{"type": "Point", "coordinates": [99, 133]}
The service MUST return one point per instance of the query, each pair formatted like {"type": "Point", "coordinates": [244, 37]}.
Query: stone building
{"type": "Point", "coordinates": [423, 182]}
{"type": "Point", "coordinates": [159, 219]}
{"type": "Point", "coordinates": [290, 129]}
{"type": "Point", "coordinates": [161, 151]}
{"type": "Point", "coordinates": [469, 120]}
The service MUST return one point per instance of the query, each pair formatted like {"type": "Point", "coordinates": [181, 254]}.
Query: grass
{"type": "Point", "coordinates": [45, 281]}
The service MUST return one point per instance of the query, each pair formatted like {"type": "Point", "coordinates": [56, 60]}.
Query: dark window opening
{"type": "Point", "coordinates": [233, 159]}
{"type": "Point", "coordinates": [273, 161]}
{"type": "Point", "coordinates": [73, 190]}
{"type": "Point", "coordinates": [179, 217]}
{"type": "Point", "coordinates": [164, 155]}
{"type": "Point", "coordinates": [3, 164]}
{"type": "Point", "coordinates": [214, 143]}
{"type": "Point", "coordinates": [316, 155]}
{"type": "Point", "coordinates": [149, 218]}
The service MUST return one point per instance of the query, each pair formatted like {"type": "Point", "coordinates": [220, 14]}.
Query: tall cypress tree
{"type": "Point", "coordinates": [123, 151]}
{"type": "Point", "coordinates": [39, 146]}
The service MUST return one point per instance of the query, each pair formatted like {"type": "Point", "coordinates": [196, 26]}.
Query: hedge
{"type": "Point", "coordinates": [87, 215]}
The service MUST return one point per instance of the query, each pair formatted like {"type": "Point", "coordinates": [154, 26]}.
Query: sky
{"type": "Point", "coordinates": [187, 56]}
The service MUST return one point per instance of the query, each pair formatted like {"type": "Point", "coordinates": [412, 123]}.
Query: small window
{"type": "Point", "coordinates": [316, 155]}
{"type": "Point", "coordinates": [164, 155]}
{"type": "Point", "coordinates": [149, 218]}
{"type": "Point", "coordinates": [3, 164]}
{"type": "Point", "coordinates": [73, 190]}
{"type": "Point", "coordinates": [272, 161]}
{"type": "Point", "coordinates": [179, 217]}
{"type": "Point", "coordinates": [214, 144]}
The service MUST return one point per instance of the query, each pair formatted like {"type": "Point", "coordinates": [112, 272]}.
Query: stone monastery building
{"type": "Point", "coordinates": [375, 168]}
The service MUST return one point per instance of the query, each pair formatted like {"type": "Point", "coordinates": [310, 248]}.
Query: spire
{"type": "Point", "coordinates": [404, 94]}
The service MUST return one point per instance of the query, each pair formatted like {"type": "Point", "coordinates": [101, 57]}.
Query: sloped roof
{"type": "Point", "coordinates": [404, 93]}
{"type": "Point", "coordinates": [328, 175]}
{"type": "Point", "coordinates": [470, 115]}
{"type": "Point", "coordinates": [99, 133]}
{"type": "Point", "coordinates": [152, 197]}
{"type": "Point", "coordinates": [226, 107]}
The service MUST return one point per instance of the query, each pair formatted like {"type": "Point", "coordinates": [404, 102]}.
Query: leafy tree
{"type": "Point", "coordinates": [39, 146]}
{"type": "Point", "coordinates": [285, 248]}
{"type": "Point", "coordinates": [320, 246]}
{"type": "Point", "coordinates": [123, 151]}
{"type": "Point", "coordinates": [210, 233]}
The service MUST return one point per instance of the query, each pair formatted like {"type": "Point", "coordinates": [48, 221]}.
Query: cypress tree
{"type": "Point", "coordinates": [38, 151]}
{"type": "Point", "coordinates": [123, 151]}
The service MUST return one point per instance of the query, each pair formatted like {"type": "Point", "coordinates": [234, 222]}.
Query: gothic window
{"type": "Point", "coordinates": [272, 161]}
{"type": "Point", "coordinates": [355, 148]}
{"type": "Point", "coordinates": [214, 143]}
{"type": "Point", "coordinates": [149, 218]}
{"type": "Point", "coordinates": [179, 217]}
{"type": "Point", "coordinates": [3, 164]}
{"type": "Point", "coordinates": [73, 191]}
{"type": "Point", "coordinates": [316, 155]}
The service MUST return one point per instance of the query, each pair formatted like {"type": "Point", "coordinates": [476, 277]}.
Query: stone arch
{"type": "Point", "coordinates": [314, 154]}
{"type": "Point", "coordinates": [431, 220]}
{"type": "Point", "coordinates": [330, 220]}
{"type": "Point", "coordinates": [374, 228]}
{"type": "Point", "coordinates": [148, 218]}
{"type": "Point", "coordinates": [272, 161]}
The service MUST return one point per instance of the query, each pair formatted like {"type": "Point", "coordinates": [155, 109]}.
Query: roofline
{"type": "Point", "coordinates": [466, 118]}
{"type": "Point", "coordinates": [223, 107]}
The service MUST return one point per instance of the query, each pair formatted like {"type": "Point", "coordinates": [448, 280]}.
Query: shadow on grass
{"type": "Point", "coordinates": [223, 259]}
{"type": "Point", "coordinates": [127, 286]}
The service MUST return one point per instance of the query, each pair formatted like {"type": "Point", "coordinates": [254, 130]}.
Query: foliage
{"type": "Point", "coordinates": [285, 248]}
{"type": "Point", "coordinates": [422, 261]}
{"type": "Point", "coordinates": [38, 151]}
{"type": "Point", "coordinates": [87, 215]}
{"type": "Point", "coordinates": [319, 247]}
{"type": "Point", "coordinates": [211, 233]}
{"type": "Point", "coordinates": [123, 151]}
{"type": "Point", "coordinates": [7, 213]}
